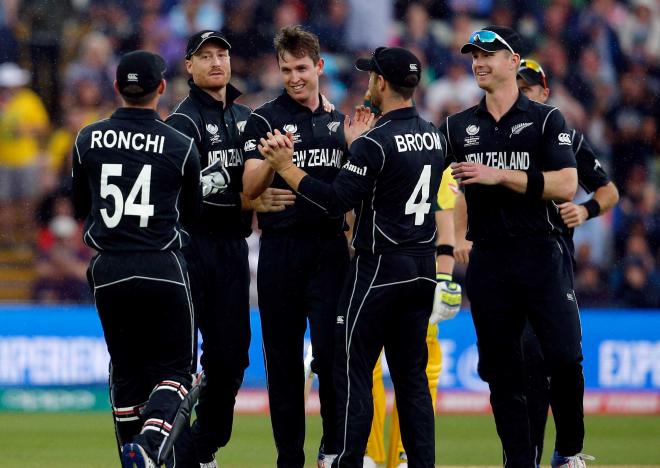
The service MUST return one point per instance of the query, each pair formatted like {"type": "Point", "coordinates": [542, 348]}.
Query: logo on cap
{"type": "Point", "coordinates": [413, 67]}
{"type": "Point", "coordinates": [564, 139]}
{"type": "Point", "coordinates": [206, 34]}
{"type": "Point", "coordinates": [132, 77]}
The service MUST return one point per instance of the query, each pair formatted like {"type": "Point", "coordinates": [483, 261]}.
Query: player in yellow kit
{"type": "Point", "coordinates": [451, 298]}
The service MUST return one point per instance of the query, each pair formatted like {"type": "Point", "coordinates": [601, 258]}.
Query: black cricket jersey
{"type": "Point", "coordinates": [591, 176]}
{"type": "Point", "coordinates": [137, 180]}
{"type": "Point", "coordinates": [216, 128]}
{"type": "Point", "coordinates": [529, 137]}
{"type": "Point", "coordinates": [319, 149]}
{"type": "Point", "coordinates": [391, 179]}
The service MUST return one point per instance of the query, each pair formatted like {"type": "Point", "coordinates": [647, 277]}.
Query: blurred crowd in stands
{"type": "Point", "coordinates": [602, 57]}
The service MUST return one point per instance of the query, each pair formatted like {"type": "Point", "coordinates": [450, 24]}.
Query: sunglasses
{"type": "Point", "coordinates": [535, 67]}
{"type": "Point", "coordinates": [487, 37]}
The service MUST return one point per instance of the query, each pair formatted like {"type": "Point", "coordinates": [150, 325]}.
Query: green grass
{"type": "Point", "coordinates": [86, 440]}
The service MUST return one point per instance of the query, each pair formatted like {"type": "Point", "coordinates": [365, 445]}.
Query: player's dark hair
{"type": "Point", "coordinates": [137, 101]}
{"type": "Point", "coordinates": [406, 92]}
{"type": "Point", "coordinates": [298, 42]}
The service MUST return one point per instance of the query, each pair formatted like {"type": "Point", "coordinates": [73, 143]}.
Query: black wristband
{"type": "Point", "coordinates": [535, 184]}
{"type": "Point", "coordinates": [445, 249]}
{"type": "Point", "coordinates": [593, 208]}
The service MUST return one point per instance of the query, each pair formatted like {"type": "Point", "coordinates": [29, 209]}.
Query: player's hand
{"type": "Point", "coordinates": [214, 179]}
{"type": "Point", "coordinates": [277, 149]}
{"type": "Point", "coordinates": [462, 251]}
{"type": "Point", "coordinates": [360, 123]}
{"type": "Point", "coordinates": [447, 300]}
{"type": "Point", "coordinates": [273, 199]}
{"type": "Point", "coordinates": [467, 173]}
{"type": "Point", "coordinates": [573, 215]}
{"type": "Point", "coordinates": [327, 105]}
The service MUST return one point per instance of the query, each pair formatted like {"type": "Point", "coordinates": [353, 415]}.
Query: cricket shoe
{"type": "Point", "coordinates": [575, 461]}
{"type": "Point", "coordinates": [325, 460]}
{"type": "Point", "coordinates": [369, 462]}
{"type": "Point", "coordinates": [134, 456]}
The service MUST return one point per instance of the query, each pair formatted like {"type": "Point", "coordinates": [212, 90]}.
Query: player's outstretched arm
{"type": "Point", "coordinates": [271, 200]}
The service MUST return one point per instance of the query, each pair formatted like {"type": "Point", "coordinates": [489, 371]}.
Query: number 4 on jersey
{"type": "Point", "coordinates": [423, 207]}
{"type": "Point", "coordinates": [142, 186]}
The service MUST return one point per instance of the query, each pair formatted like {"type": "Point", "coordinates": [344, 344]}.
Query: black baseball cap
{"type": "Point", "coordinates": [139, 73]}
{"type": "Point", "coordinates": [492, 39]}
{"type": "Point", "coordinates": [196, 41]}
{"type": "Point", "coordinates": [395, 64]}
{"type": "Point", "coordinates": [532, 73]}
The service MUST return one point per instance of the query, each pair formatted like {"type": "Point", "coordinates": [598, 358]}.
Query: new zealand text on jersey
{"type": "Point", "coordinates": [518, 160]}
{"type": "Point", "coordinates": [318, 157]}
{"type": "Point", "coordinates": [128, 140]}
{"type": "Point", "coordinates": [232, 157]}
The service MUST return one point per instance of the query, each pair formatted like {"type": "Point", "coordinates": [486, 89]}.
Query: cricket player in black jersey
{"type": "Point", "coordinates": [514, 161]}
{"type": "Point", "coordinates": [390, 179]}
{"type": "Point", "coordinates": [303, 257]}
{"type": "Point", "coordinates": [533, 82]}
{"type": "Point", "coordinates": [137, 181]}
{"type": "Point", "coordinates": [217, 255]}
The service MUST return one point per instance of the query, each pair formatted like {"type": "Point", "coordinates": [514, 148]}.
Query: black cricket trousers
{"type": "Point", "coordinates": [509, 282]}
{"type": "Point", "coordinates": [220, 284]}
{"type": "Point", "coordinates": [386, 302]}
{"type": "Point", "coordinates": [143, 301]}
{"type": "Point", "coordinates": [300, 277]}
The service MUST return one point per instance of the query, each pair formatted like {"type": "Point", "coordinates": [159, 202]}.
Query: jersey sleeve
{"type": "Point", "coordinates": [557, 142]}
{"type": "Point", "coordinates": [256, 127]}
{"type": "Point", "coordinates": [191, 190]}
{"type": "Point", "coordinates": [353, 182]}
{"type": "Point", "coordinates": [591, 174]}
{"type": "Point", "coordinates": [448, 191]}
{"type": "Point", "coordinates": [81, 194]}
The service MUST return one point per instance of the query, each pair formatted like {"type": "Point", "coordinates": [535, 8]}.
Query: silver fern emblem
{"type": "Point", "coordinates": [516, 129]}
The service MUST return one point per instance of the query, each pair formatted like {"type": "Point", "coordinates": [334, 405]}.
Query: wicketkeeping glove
{"type": "Point", "coordinates": [447, 300]}
{"type": "Point", "coordinates": [214, 179]}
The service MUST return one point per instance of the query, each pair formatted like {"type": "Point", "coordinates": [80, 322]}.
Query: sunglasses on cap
{"type": "Point", "coordinates": [486, 36]}
{"type": "Point", "coordinates": [535, 67]}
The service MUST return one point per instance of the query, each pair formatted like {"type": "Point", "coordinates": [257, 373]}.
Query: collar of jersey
{"type": "Point", "coordinates": [135, 113]}
{"type": "Point", "coordinates": [294, 106]}
{"type": "Point", "coordinates": [522, 103]}
{"type": "Point", "coordinates": [199, 94]}
{"type": "Point", "coordinates": [403, 113]}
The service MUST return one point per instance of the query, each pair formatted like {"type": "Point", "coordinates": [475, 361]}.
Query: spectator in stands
{"type": "Point", "coordinates": [62, 262]}
{"type": "Point", "coordinates": [24, 124]}
{"type": "Point", "coordinates": [330, 26]}
{"type": "Point", "coordinates": [640, 32]}
{"type": "Point", "coordinates": [95, 62]}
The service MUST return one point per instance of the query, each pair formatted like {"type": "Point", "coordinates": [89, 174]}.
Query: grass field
{"type": "Point", "coordinates": [86, 440]}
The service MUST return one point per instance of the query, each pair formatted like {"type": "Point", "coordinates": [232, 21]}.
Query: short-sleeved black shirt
{"type": "Point", "coordinates": [320, 150]}
{"type": "Point", "coordinates": [529, 137]}
{"type": "Point", "coordinates": [391, 179]}
{"type": "Point", "coordinates": [216, 128]}
{"type": "Point", "coordinates": [136, 179]}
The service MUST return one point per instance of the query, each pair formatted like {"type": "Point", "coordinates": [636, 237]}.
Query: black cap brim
{"type": "Point", "coordinates": [485, 46]}
{"type": "Point", "coordinates": [530, 77]}
{"type": "Point", "coordinates": [364, 64]}
{"type": "Point", "coordinates": [214, 37]}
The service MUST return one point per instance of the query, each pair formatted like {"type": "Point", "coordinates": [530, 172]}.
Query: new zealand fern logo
{"type": "Point", "coordinates": [516, 129]}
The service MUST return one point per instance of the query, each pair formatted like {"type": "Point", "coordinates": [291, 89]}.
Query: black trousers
{"type": "Point", "coordinates": [220, 282]}
{"type": "Point", "coordinates": [143, 301]}
{"type": "Point", "coordinates": [508, 284]}
{"type": "Point", "coordinates": [537, 389]}
{"type": "Point", "coordinates": [299, 278]}
{"type": "Point", "coordinates": [386, 302]}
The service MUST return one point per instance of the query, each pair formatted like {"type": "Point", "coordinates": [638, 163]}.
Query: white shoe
{"type": "Point", "coordinates": [325, 460]}
{"type": "Point", "coordinates": [211, 464]}
{"type": "Point", "coordinates": [576, 461]}
{"type": "Point", "coordinates": [369, 462]}
{"type": "Point", "coordinates": [134, 456]}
